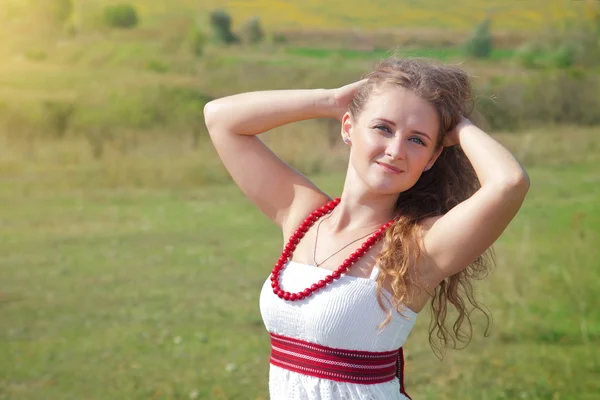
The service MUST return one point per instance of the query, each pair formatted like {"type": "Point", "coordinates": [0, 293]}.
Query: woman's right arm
{"type": "Point", "coordinates": [233, 122]}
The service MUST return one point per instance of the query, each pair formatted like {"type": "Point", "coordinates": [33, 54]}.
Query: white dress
{"type": "Point", "coordinates": [345, 315]}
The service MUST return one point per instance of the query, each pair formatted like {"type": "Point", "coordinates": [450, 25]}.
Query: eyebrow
{"type": "Point", "coordinates": [394, 124]}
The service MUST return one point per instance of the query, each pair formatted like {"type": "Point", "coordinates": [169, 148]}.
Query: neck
{"type": "Point", "coordinates": [361, 210]}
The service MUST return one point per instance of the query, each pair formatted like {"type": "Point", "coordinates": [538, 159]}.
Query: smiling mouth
{"type": "Point", "coordinates": [389, 168]}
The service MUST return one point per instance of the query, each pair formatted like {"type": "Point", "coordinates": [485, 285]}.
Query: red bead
{"type": "Point", "coordinates": [300, 232]}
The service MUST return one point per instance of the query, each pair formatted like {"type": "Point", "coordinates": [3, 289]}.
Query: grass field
{"type": "Point", "coordinates": [151, 292]}
{"type": "Point", "coordinates": [131, 265]}
{"type": "Point", "coordinates": [315, 14]}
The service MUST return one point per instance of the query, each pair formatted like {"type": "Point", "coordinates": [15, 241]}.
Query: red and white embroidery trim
{"type": "Point", "coordinates": [352, 366]}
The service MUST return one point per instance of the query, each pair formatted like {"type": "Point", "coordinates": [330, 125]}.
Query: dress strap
{"type": "Point", "coordinates": [374, 273]}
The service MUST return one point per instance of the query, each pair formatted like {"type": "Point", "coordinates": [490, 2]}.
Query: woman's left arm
{"type": "Point", "coordinates": [452, 241]}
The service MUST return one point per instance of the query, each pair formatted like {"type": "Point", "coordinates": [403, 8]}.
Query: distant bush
{"type": "Point", "coordinates": [556, 51]}
{"type": "Point", "coordinates": [551, 97]}
{"type": "Point", "coordinates": [60, 10]}
{"type": "Point", "coordinates": [480, 43]}
{"type": "Point", "coordinates": [277, 38]}
{"type": "Point", "coordinates": [563, 57]}
{"type": "Point", "coordinates": [220, 22]}
{"type": "Point", "coordinates": [529, 55]}
{"type": "Point", "coordinates": [122, 16]}
{"type": "Point", "coordinates": [252, 31]}
{"type": "Point", "coordinates": [58, 117]}
{"type": "Point", "coordinates": [158, 66]}
{"type": "Point", "coordinates": [577, 43]}
{"type": "Point", "coordinates": [197, 40]}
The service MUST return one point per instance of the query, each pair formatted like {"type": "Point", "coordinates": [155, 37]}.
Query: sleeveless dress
{"type": "Point", "coordinates": [344, 315]}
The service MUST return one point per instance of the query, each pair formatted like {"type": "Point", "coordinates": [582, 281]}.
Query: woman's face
{"type": "Point", "coordinates": [393, 140]}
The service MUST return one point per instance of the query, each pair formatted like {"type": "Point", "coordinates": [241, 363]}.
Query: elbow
{"type": "Point", "coordinates": [210, 109]}
{"type": "Point", "coordinates": [517, 184]}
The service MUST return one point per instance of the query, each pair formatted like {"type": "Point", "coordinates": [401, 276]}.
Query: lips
{"type": "Point", "coordinates": [390, 168]}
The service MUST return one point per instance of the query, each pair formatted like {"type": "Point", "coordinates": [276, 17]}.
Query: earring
{"type": "Point", "coordinates": [346, 140]}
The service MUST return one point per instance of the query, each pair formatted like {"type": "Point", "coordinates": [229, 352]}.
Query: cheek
{"type": "Point", "coordinates": [369, 146]}
{"type": "Point", "coordinates": [419, 154]}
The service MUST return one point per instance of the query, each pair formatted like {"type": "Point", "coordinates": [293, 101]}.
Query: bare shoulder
{"type": "Point", "coordinates": [304, 203]}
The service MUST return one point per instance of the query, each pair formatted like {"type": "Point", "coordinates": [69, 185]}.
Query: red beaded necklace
{"type": "Point", "coordinates": [286, 255]}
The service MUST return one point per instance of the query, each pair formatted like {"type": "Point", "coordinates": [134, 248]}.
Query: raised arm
{"type": "Point", "coordinates": [275, 187]}
{"type": "Point", "coordinates": [454, 240]}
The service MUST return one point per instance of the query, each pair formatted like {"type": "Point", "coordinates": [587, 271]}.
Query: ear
{"type": "Point", "coordinates": [347, 127]}
{"type": "Point", "coordinates": [434, 157]}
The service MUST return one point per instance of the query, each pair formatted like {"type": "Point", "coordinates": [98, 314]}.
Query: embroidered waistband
{"type": "Point", "coordinates": [353, 366]}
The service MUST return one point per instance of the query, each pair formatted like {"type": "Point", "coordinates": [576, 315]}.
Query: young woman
{"type": "Point", "coordinates": [425, 196]}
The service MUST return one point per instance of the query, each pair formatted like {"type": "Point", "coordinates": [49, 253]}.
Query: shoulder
{"type": "Point", "coordinates": [301, 208]}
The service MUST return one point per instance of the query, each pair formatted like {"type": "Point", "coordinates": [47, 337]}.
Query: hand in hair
{"type": "Point", "coordinates": [342, 97]}
{"type": "Point", "coordinates": [451, 137]}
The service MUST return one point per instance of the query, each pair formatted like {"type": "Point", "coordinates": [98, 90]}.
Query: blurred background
{"type": "Point", "coordinates": [131, 265]}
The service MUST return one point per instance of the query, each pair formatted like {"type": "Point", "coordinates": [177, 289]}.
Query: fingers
{"type": "Point", "coordinates": [356, 85]}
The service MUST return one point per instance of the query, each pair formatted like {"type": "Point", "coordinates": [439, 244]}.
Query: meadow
{"type": "Point", "coordinates": [152, 292]}
{"type": "Point", "coordinates": [335, 14]}
{"type": "Point", "coordinates": [132, 265]}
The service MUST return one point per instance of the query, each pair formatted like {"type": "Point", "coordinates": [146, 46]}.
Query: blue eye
{"type": "Point", "coordinates": [419, 141]}
{"type": "Point", "coordinates": [383, 128]}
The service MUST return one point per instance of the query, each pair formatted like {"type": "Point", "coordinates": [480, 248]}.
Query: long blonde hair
{"type": "Point", "coordinates": [450, 181]}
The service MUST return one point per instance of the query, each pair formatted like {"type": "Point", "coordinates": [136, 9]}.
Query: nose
{"type": "Point", "coordinates": [395, 148]}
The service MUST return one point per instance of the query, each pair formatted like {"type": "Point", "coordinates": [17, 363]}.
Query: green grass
{"type": "Point", "coordinates": [152, 292]}
{"type": "Point", "coordinates": [129, 273]}
{"type": "Point", "coordinates": [349, 54]}
{"type": "Point", "coordinates": [351, 14]}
